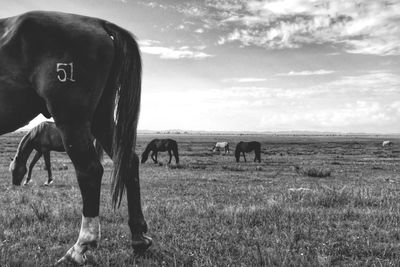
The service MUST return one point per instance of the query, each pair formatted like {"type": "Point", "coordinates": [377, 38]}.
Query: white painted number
{"type": "Point", "coordinates": [65, 72]}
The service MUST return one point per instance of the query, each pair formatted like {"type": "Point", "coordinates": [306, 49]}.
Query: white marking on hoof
{"type": "Point", "coordinates": [89, 237]}
{"type": "Point", "coordinates": [27, 182]}
{"type": "Point", "coordinates": [75, 255]}
{"type": "Point", "coordinates": [47, 183]}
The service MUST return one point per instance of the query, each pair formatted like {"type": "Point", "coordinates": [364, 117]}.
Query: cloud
{"type": "Point", "coordinates": [306, 73]}
{"type": "Point", "coordinates": [244, 80]}
{"type": "Point", "coordinates": [368, 102]}
{"type": "Point", "coordinates": [358, 116]}
{"type": "Point", "coordinates": [153, 47]}
{"type": "Point", "coordinates": [199, 30]}
{"type": "Point", "coordinates": [366, 27]}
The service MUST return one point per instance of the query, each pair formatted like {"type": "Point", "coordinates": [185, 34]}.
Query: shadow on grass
{"type": "Point", "coordinates": [161, 257]}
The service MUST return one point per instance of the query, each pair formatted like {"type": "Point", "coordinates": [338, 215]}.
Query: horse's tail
{"type": "Point", "coordinates": [258, 151]}
{"type": "Point", "coordinates": [99, 150]}
{"type": "Point", "coordinates": [146, 152]}
{"type": "Point", "coordinates": [237, 152]}
{"type": "Point", "coordinates": [175, 150]}
{"type": "Point", "coordinates": [127, 80]}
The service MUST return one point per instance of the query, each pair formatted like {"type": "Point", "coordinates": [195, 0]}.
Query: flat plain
{"type": "Point", "coordinates": [211, 211]}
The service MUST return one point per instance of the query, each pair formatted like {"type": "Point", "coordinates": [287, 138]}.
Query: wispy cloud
{"type": "Point", "coordinates": [244, 80]}
{"type": "Point", "coordinates": [184, 52]}
{"type": "Point", "coordinates": [366, 27]}
{"type": "Point", "coordinates": [306, 73]}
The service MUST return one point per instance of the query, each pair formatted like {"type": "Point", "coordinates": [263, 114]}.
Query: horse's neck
{"type": "Point", "coordinates": [24, 149]}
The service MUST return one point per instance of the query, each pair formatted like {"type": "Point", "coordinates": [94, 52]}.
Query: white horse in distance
{"type": "Point", "coordinates": [221, 145]}
{"type": "Point", "coordinates": [387, 143]}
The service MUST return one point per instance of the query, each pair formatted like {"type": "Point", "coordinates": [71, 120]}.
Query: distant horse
{"type": "Point", "coordinates": [387, 143]}
{"type": "Point", "coordinates": [161, 145]}
{"type": "Point", "coordinates": [221, 145]}
{"type": "Point", "coordinates": [243, 147]}
{"type": "Point", "coordinates": [43, 138]}
{"type": "Point", "coordinates": [85, 73]}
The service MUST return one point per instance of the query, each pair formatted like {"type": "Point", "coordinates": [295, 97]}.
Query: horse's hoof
{"type": "Point", "coordinates": [48, 183]}
{"type": "Point", "coordinates": [140, 242]}
{"type": "Point", "coordinates": [74, 257]}
{"type": "Point", "coordinates": [26, 183]}
{"type": "Point", "coordinates": [67, 259]}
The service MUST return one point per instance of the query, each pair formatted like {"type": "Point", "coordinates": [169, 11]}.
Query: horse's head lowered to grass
{"type": "Point", "coordinates": [18, 171]}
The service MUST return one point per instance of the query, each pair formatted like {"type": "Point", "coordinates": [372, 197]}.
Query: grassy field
{"type": "Point", "coordinates": [212, 211]}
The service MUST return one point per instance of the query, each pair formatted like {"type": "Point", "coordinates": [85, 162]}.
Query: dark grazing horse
{"type": "Point", "coordinates": [42, 138]}
{"type": "Point", "coordinates": [85, 73]}
{"type": "Point", "coordinates": [161, 145]}
{"type": "Point", "coordinates": [243, 147]}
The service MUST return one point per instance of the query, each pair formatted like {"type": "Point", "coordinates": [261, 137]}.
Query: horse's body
{"type": "Point", "coordinates": [221, 145]}
{"type": "Point", "coordinates": [43, 138]}
{"type": "Point", "coordinates": [245, 147]}
{"type": "Point", "coordinates": [387, 143]}
{"type": "Point", "coordinates": [78, 70]}
{"type": "Point", "coordinates": [161, 145]}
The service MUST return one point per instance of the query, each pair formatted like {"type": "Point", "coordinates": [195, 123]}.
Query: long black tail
{"type": "Point", "coordinates": [127, 69]}
{"type": "Point", "coordinates": [145, 154]}
{"type": "Point", "coordinates": [99, 150]}
{"type": "Point", "coordinates": [257, 151]}
{"type": "Point", "coordinates": [237, 151]}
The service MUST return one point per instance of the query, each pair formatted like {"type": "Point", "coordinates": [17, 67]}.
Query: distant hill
{"type": "Point", "coordinates": [309, 133]}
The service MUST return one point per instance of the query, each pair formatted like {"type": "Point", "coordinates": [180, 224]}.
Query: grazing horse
{"type": "Point", "coordinates": [42, 138]}
{"type": "Point", "coordinates": [387, 143]}
{"type": "Point", "coordinates": [85, 73]}
{"type": "Point", "coordinates": [243, 147]}
{"type": "Point", "coordinates": [221, 145]}
{"type": "Point", "coordinates": [161, 145]}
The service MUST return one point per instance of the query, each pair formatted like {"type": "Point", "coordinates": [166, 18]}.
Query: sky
{"type": "Point", "coordinates": [258, 65]}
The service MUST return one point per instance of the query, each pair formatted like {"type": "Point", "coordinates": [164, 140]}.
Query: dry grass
{"type": "Point", "coordinates": [314, 171]}
{"type": "Point", "coordinates": [211, 211]}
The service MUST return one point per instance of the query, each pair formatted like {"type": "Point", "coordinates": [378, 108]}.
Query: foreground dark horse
{"type": "Point", "coordinates": [42, 138]}
{"type": "Point", "coordinates": [77, 70]}
{"type": "Point", "coordinates": [243, 147]}
{"type": "Point", "coordinates": [161, 145]}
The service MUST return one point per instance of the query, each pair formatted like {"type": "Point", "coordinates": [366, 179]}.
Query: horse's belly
{"type": "Point", "coordinates": [17, 106]}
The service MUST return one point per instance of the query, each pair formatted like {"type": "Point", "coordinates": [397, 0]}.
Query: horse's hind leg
{"type": "Point", "coordinates": [176, 155]}
{"type": "Point", "coordinates": [170, 156]}
{"type": "Point", "coordinates": [36, 157]}
{"type": "Point", "coordinates": [136, 222]}
{"type": "Point", "coordinates": [46, 156]}
{"type": "Point", "coordinates": [78, 144]}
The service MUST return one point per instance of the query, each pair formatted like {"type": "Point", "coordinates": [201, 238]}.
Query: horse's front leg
{"type": "Point", "coordinates": [79, 146]}
{"type": "Point", "coordinates": [31, 165]}
{"type": "Point", "coordinates": [156, 155]}
{"type": "Point", "coordinates": [152, 157]}
{"type": "Point", "coordinates": [244, 156]}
